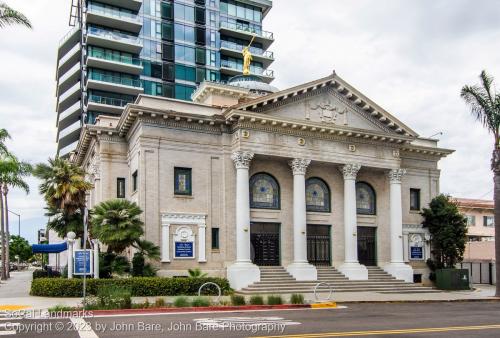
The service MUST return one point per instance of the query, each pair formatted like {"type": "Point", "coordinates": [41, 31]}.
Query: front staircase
{"type": "Point", "coordinates": [276, 280]}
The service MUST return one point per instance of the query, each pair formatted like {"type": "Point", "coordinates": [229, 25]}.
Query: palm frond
{"type": "Point", "coordinates": [9, 16]}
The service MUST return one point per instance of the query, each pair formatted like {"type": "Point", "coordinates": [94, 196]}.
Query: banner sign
{"type": "Point", "coordinates": [82, 262]}
{"type": "Point", "coordinates": [184, 250]}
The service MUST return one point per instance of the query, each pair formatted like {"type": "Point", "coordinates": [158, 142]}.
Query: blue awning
{"type": "Point", "coordinates": [49, 248]}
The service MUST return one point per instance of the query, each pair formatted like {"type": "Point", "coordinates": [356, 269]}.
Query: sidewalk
{"type": "Point", "coordinates": [15, 291]}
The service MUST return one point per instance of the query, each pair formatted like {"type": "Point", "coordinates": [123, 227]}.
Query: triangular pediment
{"type": "Point", "coordinates": [331, 102]}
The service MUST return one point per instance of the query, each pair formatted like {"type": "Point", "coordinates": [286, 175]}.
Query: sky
{"type": "Point", "coordinates": [412, 57]}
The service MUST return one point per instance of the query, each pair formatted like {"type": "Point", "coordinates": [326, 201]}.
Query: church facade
{"type": "Point", "coordinates": [314, 175]}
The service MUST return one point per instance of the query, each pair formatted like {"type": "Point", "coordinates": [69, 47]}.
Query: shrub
{"type": "Point", "coordinates": [138, 265]}
{"type": "Point", "coordinates": [110, 297]}
{"type": "Point", "coordinates": [60, 308]}
{"type": "Point", "coordinates": [45, 274]}
{"type": "Point", "coordinates": [297, 298]}
{"type": "Point", "coordinates": [138, 286]}
{"type": "Point", "coordinates": [257, 300]}
{"type": "Point", "coordinates": [200, 301]}
{"type": "Point", "coordinates": [160, 302]}
{"type": "Point", "coordinates": [274, 300]}
{"type": "Point", "coordinates": [237, 300]}
{"type": "Point", "coordinates": [181, 302]}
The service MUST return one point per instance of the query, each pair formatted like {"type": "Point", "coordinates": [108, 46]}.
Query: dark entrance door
{"type": "Point", "coordinates": [265, 243]}
{"type": "Point", "coordinates": [367, 249]}
{"type": "Point", "coordinates": [318, 244]}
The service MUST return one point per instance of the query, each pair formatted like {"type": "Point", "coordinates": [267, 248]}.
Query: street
{"type": "Point", "coordinates": [460, 319]}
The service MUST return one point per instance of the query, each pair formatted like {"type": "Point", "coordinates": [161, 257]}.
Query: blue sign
{"type": "Point", "coordinates": [184, 250]}
{"type": "Point", "coordinates": [416, 252]}
{"type": "Point", "coordinates": [82, 262]}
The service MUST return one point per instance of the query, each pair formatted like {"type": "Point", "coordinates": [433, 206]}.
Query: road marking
{"type": "Point", "coordinates": [256, 321]}
{"type": "Point", "coordinates": [388, 332]}
{"type": "Point", "coordinates": [83, 328]}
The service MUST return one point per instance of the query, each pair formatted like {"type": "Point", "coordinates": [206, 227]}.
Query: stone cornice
{"type": "Point", "coordinates": [409, 149]}
{"type": "Point", "coordinates": [251, 120]}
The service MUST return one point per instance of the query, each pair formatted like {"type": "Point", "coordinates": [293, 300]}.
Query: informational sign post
{"type": "Point", "coordinates": [184, 250]}
{"type": "Point", "coordinates": [82, 260]}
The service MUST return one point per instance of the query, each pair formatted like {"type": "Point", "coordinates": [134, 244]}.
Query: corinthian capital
{"type": "Point", "coordinates": [350, 171]}
{"type": "Point", "coordinates": [395, 175]}
{"type": "Point", "coordinates": [242, 159]}
{"type": "Point", "coordinates": [299, 166]}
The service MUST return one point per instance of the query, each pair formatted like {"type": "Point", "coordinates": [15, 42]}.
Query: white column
{"type": "Point", "coordinates": [243, 272]}
{"type": "Point", "coordinates": [397, 267]}
{"type": "Point", "coordinates": [351, 267]}
{"type": "Point", "coordinates": [70, 258]}
{"type": "Point", "coordinates": [96, 258]}
{"type": "Point", "coordinates": [201, 243]}
{"type": "Point", "coordinates": [300, 269]}
{"type": "Point", "coordinates": [165, 242]}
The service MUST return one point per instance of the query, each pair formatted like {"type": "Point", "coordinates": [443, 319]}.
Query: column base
{"type": "Point", "coordinates": [242, 274]}
{"type": "Point", "coordinates": [354, 271]}
{"type": "Point", "coordinates": [302, 271]}
{"type": "Point", "coordinates": [400, 271]}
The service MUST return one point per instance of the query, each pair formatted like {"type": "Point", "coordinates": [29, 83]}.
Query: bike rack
{"type": "Point", "coordinates": [211, 283]}
{"type": "Point", "coordinates": [329, 295]}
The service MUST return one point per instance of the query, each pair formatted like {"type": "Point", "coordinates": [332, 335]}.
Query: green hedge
{"type": "Point", "coordinates": [139, 286]}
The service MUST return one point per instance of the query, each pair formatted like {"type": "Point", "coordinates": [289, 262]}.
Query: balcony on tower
{"type": "Point", "coordinates": [234, 49]}
{"type": "Point", "coordinates": [113, 39]}
{"type": "Point", "coordinates": [114, 82]}
{"type": "Point", "coordinates": [235, 67]}
{"type": "Point", "coordinates": [98, 57]}
{"type": "Point", "coordinates": [114, 17]}
{"type": "Point", "coordinates": [247, 31]}
{"type": "Point", "coordinates": [107, 102]}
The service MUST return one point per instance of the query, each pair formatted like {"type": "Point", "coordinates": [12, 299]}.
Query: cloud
{"type": "Point", "coordinates": [411, 57]}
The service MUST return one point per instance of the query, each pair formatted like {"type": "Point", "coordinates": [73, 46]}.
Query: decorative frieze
{"type": "Point", "coordinates": [299, 166]}
{"type": "Point", "coordinates": [395, 175]}
{"type": "Point", "coordinates": [242, 159]}
{"type": "Point", "coordinates": [350, 170]}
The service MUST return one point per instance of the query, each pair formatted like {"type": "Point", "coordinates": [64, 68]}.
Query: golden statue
{"type": "Point", "coordinates": [247, 58]}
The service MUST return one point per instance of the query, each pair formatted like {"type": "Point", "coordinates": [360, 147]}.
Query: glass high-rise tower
{"type": "Point", "coordinates": [118, 49]}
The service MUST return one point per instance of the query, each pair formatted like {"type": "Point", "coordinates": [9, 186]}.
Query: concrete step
{"type": "Point", "coordinates": [311, 290]}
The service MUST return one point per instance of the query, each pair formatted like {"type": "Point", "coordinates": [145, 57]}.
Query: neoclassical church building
{"type": "Point", "coordinates": [247, 176]}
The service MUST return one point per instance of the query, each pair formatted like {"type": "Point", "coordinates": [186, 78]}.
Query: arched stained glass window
{"type": "Point", "coordinates": [317, 195]}
{"type": "Point", "coordinates": [365, 199]}
{"type": "Point", "coordinates": [264, 192]}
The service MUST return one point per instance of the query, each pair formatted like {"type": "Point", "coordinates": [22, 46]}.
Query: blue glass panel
{"type": "Point", "coordinates": [264, 192]}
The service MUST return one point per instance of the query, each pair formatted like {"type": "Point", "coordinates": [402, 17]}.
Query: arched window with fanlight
{"type": "Point", "coordinates": [317, 195]}
{"type": "Point", "coordinates": [366, 200]}
{"type": "Point", "coordinates": [264, 192]}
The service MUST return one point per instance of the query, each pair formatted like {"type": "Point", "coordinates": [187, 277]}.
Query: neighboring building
{"type": "Point", "coordinates": [480, 228]}
{"type": "Point", "coordinates": [120, 49]}
{"type": "Point", "coordinates": [247, 176]}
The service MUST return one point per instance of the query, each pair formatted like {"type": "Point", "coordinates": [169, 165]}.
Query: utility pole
{"type": "Point", "coordinates": [18, 222]}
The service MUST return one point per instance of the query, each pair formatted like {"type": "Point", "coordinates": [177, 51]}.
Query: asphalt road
{"type": "Point", "coordinates": [463, 319]}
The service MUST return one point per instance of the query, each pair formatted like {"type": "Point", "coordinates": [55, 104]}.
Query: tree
{"type": "Point", "coordinates": [20, 247]}
{"type": "Point", "coordinates": [145, 249]}
{"type": "Point", "coordinates": [448, 229]}
{"type": "Point", "coordinates": [196, 273]}
{"type": "Point", "coordinates": [4, 135]}
{"type": "Point", "coordinates": [9, 16]}
{"type": "Point", "coordinates": [484, 103]}
{"type": "Point", "coordinates": [62, 222]}
{"type": "Point", "coordinates": [63, 185]}
{"type": "Point", "coordinates": [12, 174]}
{"type": "Point", "coordinates": [117, 224]}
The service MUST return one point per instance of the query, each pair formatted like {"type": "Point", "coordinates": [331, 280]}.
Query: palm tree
{"type": "Point", "coordinates": [4, 135]}
{"type": "Point", "coordinates": [9, 16]}
{"type": "Point", "coordinates": [117, 224]}
{"type": "Point", "coordinates": [196, 273]}
{"type": "Point", "coordinates": [147, 249]}
{"type": "Point", "coordinates": [62, 222]}
{"type": "Point", "coordinates": [12, 173]}
{"type": "Point", "coordinates": [64, 186]}
{"type": "Point", "coordinates": [484, 103]}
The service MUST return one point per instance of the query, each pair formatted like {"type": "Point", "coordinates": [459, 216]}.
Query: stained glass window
{"type": "Point", "coordinates": [182, 181]}
{"type": "Point", "coordinates": [365, 199]}
{"type": "Point", "coordinates": [264, 192]}
{"type": "Point", "coordinates": [317, 195]}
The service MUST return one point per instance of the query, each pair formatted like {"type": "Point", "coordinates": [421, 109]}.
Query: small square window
{"type": "Point", "coordinates": [215, 238]}
{"type": "Point", "coordinates": [488, 221]}
{"type": "Point", "coordinates": [471, 220]}
{"type": "Point", "coordinates": [120, 187]}
{"type": "Point", "coordinates": [182, 181]}
{"type": "Point", "coordinates": [415, 199]}
{"type": "Point", "coordinates": [134, 181]}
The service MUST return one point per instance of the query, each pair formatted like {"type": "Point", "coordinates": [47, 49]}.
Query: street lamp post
{"type": "Point", "coordinates": [18, 222]}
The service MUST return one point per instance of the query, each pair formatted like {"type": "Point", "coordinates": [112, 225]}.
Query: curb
{"type": "Point", "coordinates": [216, 309]}
{"type": "Point", "coordinates": [422, 301]}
